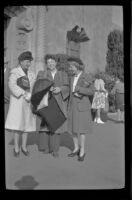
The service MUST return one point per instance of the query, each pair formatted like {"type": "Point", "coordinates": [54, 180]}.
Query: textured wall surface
{"type": "Point", "coordinates": [98, 21]}
{"type": "Point", "coordinates": [50, 28]}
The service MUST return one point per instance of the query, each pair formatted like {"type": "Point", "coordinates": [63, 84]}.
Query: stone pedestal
{"type": "Point", "coordinates": [73, 49]}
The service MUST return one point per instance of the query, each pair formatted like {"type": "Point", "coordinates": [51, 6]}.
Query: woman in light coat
{"type": "Point", "coordinates": [20, 118]}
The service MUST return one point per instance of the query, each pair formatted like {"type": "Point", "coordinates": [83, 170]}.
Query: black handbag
{"type": "Point", "coordinates": [23, 82]}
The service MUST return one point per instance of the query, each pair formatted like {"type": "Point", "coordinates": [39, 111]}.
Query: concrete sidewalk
{"type": "Point", "coordinates": [103, 167]}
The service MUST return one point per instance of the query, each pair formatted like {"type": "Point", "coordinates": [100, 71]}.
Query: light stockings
{"type": "Point", "coordinates": [16, 142]}
{"type": "Point", "coordinates": [82, 144]}
{"type": "Point", "coordinates": [98, 113]}
{"type": "Point", "coordinates": [24, 141]}
{"type": "Point", "coordinates": [119, 114]}
{"type": "Point", "coordinates": [76, 143]}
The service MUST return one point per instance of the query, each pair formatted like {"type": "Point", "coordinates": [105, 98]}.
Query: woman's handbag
{"type": "Point", "coordinates": [23, 82]}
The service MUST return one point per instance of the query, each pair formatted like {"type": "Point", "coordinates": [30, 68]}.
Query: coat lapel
{"type": "Point", "coordinates": [29, 74]}
{"type": "Point", "coordinates": [72, 79]}
{"type": "Point", "coordinates": [80, 78]}
{"type": "Point", "coordinates": [49, 76]}
{"type": "Point", "coordinates": [71, 84]}
{"type": "Point", "coordinates": [21, 72]}
{"type": "Point", "coordinates": [57, 79]}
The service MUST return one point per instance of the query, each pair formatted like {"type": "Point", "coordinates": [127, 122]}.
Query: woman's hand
{"type": "Point", "coordinates": [52, 89]}
{"type": "Point", "coordinates": [56, 90]}
{"type": "Point", "coordinates": [77, 95]}
{"type": "Point", "coordinates": [27, 96]}
{"type": "Point", "coordinates": [77, 88]}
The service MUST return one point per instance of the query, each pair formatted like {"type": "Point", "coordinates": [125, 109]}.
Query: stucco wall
{"type": "Point", "coordinates": [98, 21]}
{"type": "Point", "coordinates": [49, 32]}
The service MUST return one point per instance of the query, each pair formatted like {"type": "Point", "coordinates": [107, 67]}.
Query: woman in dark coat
{"type": "Point", "coordinates": [79, 109]}
{"type": "Point", "coordinates": [50, 142]}
{"type": "Point", "coordinates": [118, 90]}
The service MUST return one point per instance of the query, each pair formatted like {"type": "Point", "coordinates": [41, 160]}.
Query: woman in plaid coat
{"type": "Point", "coordinates": [79, 109]}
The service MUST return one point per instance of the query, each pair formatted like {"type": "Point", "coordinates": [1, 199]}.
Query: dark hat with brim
{"type": "Point", "coordinates": [27, 55]}
{"type": "Point", "coordinates": [75, 59]}
{"type": "Point", "coordinates": [41, 87]}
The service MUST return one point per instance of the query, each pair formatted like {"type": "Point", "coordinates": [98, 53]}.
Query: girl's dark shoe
{"type": "Point", "coordinates": [55, 154]}
{"type": "Point", "coordinates": [81, 158]}
{"type": "Point", "coordinates": [46, 151]}
{"type": "Point", "coordinates": [74, 153]}
{"type": "Point", "coordinates": [26, 153]}
{"type": "Point", "coordinates": [50, 151]}
{"type": "Point", "coordinates": [16, 154]}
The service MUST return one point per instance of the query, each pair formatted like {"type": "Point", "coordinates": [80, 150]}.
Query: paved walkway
{"type": "Point", "coordinates": [103, 166]}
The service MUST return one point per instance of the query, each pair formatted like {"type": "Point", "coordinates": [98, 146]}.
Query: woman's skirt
{"type": "Point", "coordinates": [98, 100]}
{"type": "Point", "coordinates": [119, 98]}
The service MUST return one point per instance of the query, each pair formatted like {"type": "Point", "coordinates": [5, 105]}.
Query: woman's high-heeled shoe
{"type": "Point", "coordinates": [26, 153]}
{"type": "Point", "coordinates": [81, 158]}
{"type": "Point", "coordinates": [74, 153]}
{"type": "Point", "coordinates": [16, 154]}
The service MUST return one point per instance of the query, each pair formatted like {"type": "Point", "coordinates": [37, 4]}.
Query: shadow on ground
{"type": "Point", "coordinates": [26, 183]}
{"type": "Point", "coordinates": [33, 138]}
{"type": "Point", "coordinates": [67, 141]}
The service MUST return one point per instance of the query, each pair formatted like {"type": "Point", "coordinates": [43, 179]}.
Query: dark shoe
{"type": "Point", "coordinates": [46, 151]}
{"type": "Point", "coordinates": [81, 158]}
{"type": "Point", "coordinates": [16, 154]}
{"type": "Point", "coordinates": [74, 154]}
{"type": "Point", "coordinates": [55, 154]}
{"type": "Point", "coordinates": [50, 151]}
{"type": "Point", "coordinates": [122, 121]}
{"type": "Point", "coordinates": [26, 153]}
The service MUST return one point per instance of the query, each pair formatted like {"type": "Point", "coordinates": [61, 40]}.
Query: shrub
{"type": "Point", "coordinates": [108, 79]}
{"type": "Point", "coordinates": [114, 57]}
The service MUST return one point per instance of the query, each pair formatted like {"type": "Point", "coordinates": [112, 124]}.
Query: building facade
{"type": "Point", "coordinates": [42, 29]}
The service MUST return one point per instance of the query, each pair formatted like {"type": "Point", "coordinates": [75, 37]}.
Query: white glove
{"type": "Point", "coordinates": [44, 101]}
{"type": "Point", "coordinates": [27, 96]}
{"type": "Point", "coordinates": [76, 94]}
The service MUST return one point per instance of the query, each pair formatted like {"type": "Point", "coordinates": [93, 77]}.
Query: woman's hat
{"type": "Point", "coordinates": [75, 59]}
{"type": "Point", "coordinates": [27, 55]}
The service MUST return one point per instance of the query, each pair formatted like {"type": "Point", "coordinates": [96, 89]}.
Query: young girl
{"type": "Point", "coordinates": [99, 97]}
